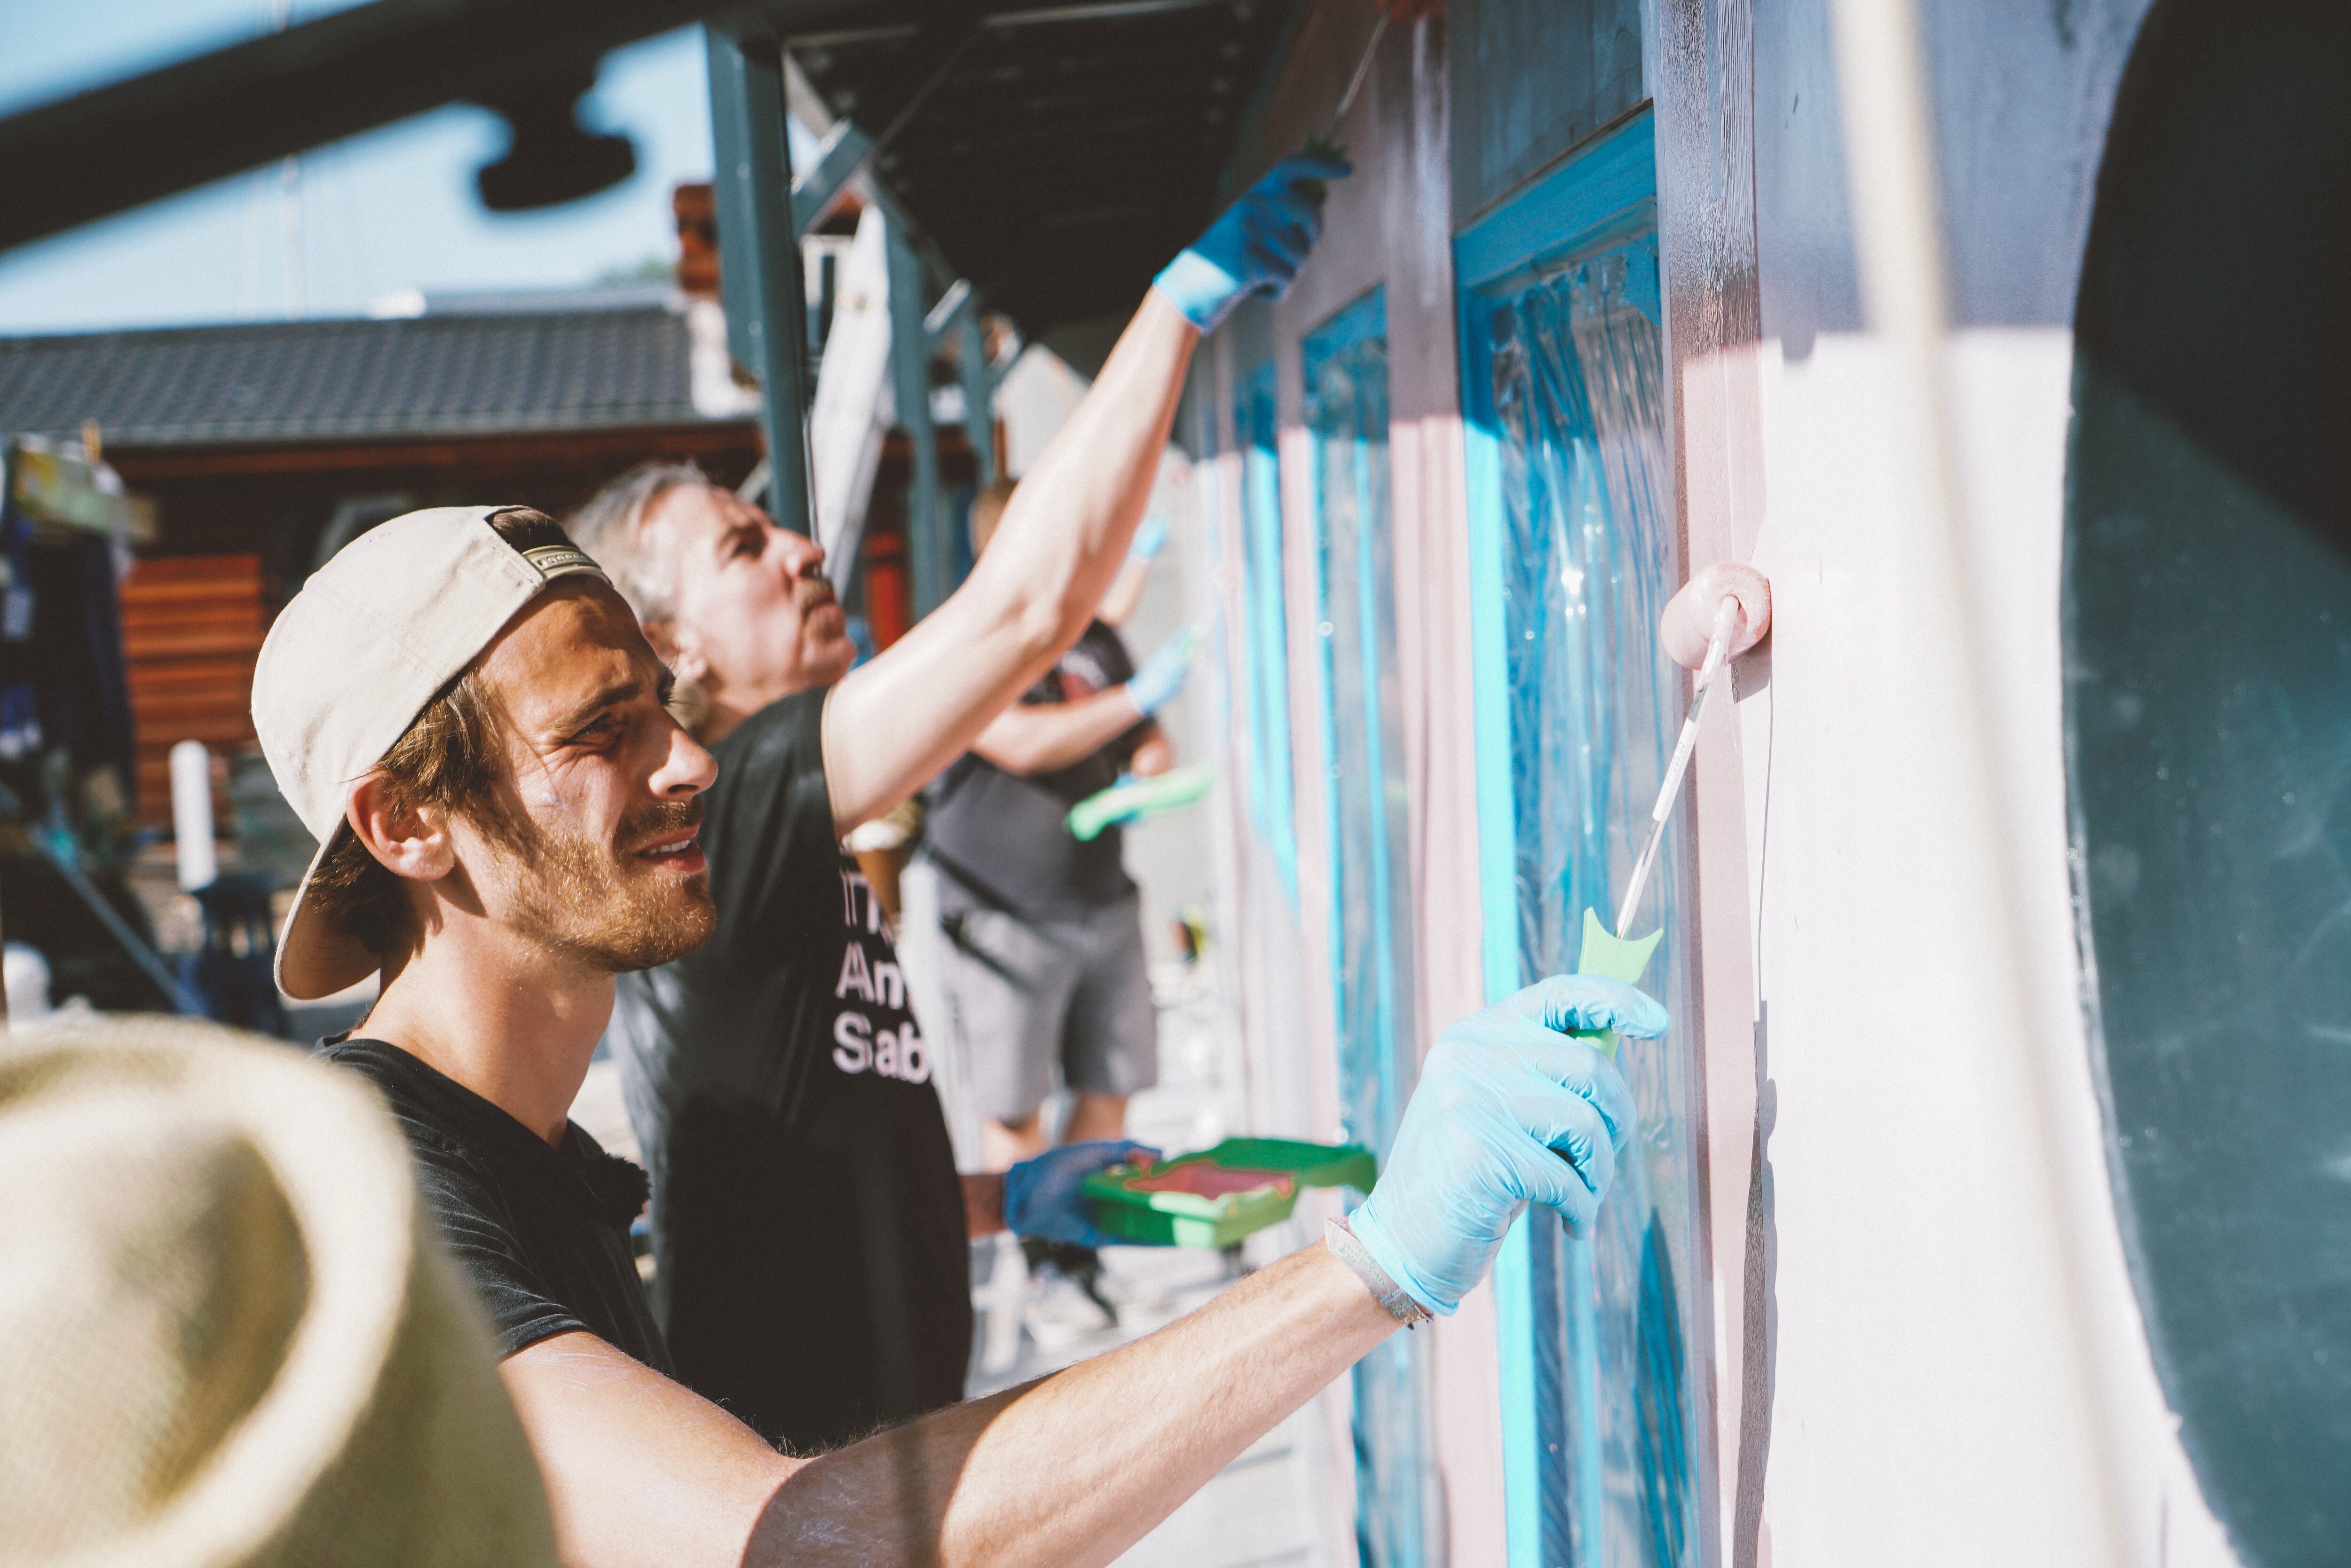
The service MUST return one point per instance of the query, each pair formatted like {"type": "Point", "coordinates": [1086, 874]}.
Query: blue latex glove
{"type": "Point", "coordinates": [1255, 247]}
{"type": "Point", "coordinates": [1149, 539]}
{"type": "Point", "coordinates": [1162, 677]}
{"type": "Point", "coordinates": [1045, 1197]}
{"type": "Point", "coordinates": [1510, 1110]}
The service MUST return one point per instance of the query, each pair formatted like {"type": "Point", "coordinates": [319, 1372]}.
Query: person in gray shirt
{"type": "Point", "coordinates": [1043, 967]}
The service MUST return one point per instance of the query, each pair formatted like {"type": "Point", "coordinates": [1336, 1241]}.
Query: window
{"type": "Point", "coordinates": [1574, 555]}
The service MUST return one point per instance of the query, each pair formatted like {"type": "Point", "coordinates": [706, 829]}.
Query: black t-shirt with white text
{"type": "Point", "coordinates": [542, 1230]}
{"type": "Point", "coordinates": [812, 1272]}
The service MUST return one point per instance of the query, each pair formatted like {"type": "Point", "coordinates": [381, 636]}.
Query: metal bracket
{"type": "Point", "coordinates": [950, 308]}
{"type": "Point", "coordinates": [842, 156]}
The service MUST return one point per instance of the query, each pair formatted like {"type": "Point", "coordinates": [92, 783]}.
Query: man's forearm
{"type": "Point", "coordinates": [1066, 531]}
{"type": "Point", "coordinates": [1038, 737]}
{"type": "Point", "coordinates": [1075, 1468]}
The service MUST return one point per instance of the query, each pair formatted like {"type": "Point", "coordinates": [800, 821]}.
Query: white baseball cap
{"type": "Point", "coordinates": [373, 637]}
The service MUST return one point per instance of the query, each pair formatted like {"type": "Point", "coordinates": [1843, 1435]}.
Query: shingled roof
{"type": "Point", "coordinates": [478, 372]}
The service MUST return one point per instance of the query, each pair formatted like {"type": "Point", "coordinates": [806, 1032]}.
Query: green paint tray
{"type": "Point", "coordinates": [1166, 1218]}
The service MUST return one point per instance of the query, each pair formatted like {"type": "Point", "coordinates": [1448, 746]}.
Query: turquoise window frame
{"type": "Point", "coordinates": [1362, 321]}
{"type": "Point", "coordinates": [1265, 691]}
{"type": "Point", "coordinates": [1607, 186]}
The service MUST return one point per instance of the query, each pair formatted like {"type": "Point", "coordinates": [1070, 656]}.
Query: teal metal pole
{"type": "Point", "coordinates": [759, 255]}
{"type": "Point", "coordinates": [910, 368]}
{"type": "Point", "coordinates": [979, 394]}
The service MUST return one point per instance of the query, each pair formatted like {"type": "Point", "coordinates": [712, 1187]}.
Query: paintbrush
{"type": "Point", "coordinates": [1325, 142]}
{"type": "Point", "coordinates": [1618, 956]}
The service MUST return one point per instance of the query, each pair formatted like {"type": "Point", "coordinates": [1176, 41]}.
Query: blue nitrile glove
{"type": "Point", "coordinates": [1045, 1197]}
{"type": "Point", "coordinates": [1510, 1110]}
{"type": "Point", "coordinates": [1255, 247]}
{"type": "Point", "coordinates": [1149, 539]}
{"type": "Point", "coordinates": [1162, 677]}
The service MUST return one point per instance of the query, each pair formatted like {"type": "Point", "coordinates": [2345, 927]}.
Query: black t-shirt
{"type": "Point", "coordinates": [811, 1268]}
{"type": "Point", "coordinates": [543, 1231]}
{"type": "Point", "coordinates": [1002, 841]}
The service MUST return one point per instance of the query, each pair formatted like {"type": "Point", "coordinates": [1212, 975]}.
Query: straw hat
{"type": "Point", "coordinates": [227, 1332]}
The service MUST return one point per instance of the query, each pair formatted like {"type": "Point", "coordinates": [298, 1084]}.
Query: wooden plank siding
{"type": "Point", "coordinates": [192, 627]}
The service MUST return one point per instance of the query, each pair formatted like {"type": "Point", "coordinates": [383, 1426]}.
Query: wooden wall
{"type": "Point", "coordinates": [192, 626]}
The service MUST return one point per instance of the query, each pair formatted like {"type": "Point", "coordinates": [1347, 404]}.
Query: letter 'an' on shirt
{"type": "Point", "coordinates": [811, 1271]}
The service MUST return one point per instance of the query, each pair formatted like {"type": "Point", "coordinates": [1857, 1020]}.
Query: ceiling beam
{"type": "Point", "coordinates": [996, 21]}
{"type": "Point", "coordinates": [115, 147]}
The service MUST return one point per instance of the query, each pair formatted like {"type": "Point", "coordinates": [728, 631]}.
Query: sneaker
{"type": "Point", "coordinates": [1084, 1265]}
{"type": "Point", "coordinates": [1060, 1311]}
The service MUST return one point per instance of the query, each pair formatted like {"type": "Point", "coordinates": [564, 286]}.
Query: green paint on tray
{"type": "Point", "coordinates": [1311, 1164]}
{"type": "Point", "coordinates": [1163, 1217]}
{"type": "Point", "coordinates": [1614, 958]}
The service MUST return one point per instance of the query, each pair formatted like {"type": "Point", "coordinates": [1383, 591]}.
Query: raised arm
{"type": "Point", "coordinates": [892, 723]}
{"type": "Point", "coordinates": [1072, 1470]}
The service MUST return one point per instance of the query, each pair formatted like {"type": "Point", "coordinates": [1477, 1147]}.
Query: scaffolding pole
{"type": "Point", "coordinates": [978, 394]}
{"type": "Point", "coordinates": [759, 255]}
{"type": "Point", "coordinates": [910, 366]}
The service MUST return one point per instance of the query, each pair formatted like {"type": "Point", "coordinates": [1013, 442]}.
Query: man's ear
{"type": "Point", "coordinates": [684, 658]}
{"type": "Point", "coordinates": [410, 842]}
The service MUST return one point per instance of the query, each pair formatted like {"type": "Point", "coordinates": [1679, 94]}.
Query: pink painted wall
{"type": "Point", "coordinates": [1880, 1298]}
{"type": "Point", "coordinates": [1389, 225]}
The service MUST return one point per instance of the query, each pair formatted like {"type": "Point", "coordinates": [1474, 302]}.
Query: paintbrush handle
{"type": "Point", "coordinates": [1718, 648]}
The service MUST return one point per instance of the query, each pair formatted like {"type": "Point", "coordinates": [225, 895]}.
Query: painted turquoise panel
{"type": "Point", "coordinates": [1530, 79]}
{"type": "Point", "coordinates": [1574, 551]}
{"type": "Point", "coordinates": [1266, 690]}
{"type": "Point", "coordinates": [1398, 1508]}
{"type": "Point", "coordinates": [1609, 187]}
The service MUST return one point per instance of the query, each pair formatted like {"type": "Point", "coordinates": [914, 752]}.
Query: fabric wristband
{"type": "Point", "coordinates": [1204, 292]}
{"type": "Point", "coordinates": [1393, 1298]}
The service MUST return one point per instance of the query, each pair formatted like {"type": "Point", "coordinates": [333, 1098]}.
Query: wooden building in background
{"type": "Point", "coordinates": [267, 446]}
{"type": "Point", "coordinates": [263, 447]}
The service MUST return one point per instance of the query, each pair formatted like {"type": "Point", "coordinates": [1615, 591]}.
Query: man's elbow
{"type": "Point", "coordinates": [1044, 625]}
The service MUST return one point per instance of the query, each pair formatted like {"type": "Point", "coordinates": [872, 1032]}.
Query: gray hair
{"type": "Point", "coordinates": [610, 527]}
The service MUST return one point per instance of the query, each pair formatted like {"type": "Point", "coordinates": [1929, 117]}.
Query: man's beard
{"type": "Point", "coordinates": [598, 905]}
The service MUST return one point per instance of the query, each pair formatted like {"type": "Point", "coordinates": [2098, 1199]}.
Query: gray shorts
{"type": "Point", "coordinates": [1023, 994]}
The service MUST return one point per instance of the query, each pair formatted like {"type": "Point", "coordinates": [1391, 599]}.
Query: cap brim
{"type": "Point", "coordinates": [314, 957]}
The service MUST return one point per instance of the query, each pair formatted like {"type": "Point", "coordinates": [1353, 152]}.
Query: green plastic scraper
{"type": "Point", "coordinates": [1137, 799]}
{"type": "Point", "coordinates": [1614, 958]}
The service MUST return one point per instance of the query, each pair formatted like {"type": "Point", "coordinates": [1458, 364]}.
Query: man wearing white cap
{"type": "Point", "coordinates": [470, 720]}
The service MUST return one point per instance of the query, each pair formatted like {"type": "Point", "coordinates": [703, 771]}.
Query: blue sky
{"type": "Point", "coordinates": [394, 209]}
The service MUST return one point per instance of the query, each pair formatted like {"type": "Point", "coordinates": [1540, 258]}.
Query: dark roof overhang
{"type": "Point", "coordinates": [1057, 155]}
